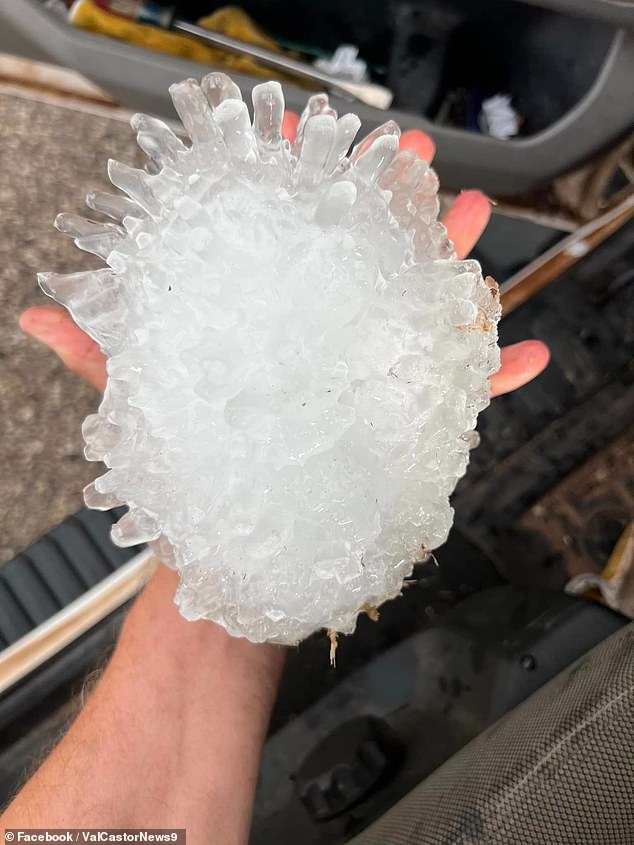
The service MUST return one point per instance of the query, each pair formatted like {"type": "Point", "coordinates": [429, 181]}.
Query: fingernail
{"type": "Point", "coordinates": [531, 354]}
{"type": "Point", "coordinates": [40, 321]}
{"type": "Point", "coordinates": [489, 199]}
{"type": "Point", "coordinates": [290, 123]}
{"type": "Point", "coordinates": [472, 195]}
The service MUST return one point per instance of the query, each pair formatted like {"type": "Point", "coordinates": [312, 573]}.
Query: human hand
{"type": "Point", "coordinates": [150, 713]}
{"type": "Point", "coordinates": [465, 221]}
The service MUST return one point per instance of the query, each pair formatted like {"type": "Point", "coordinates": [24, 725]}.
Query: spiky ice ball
{"type": "Point", "coordinates": [296, 359]}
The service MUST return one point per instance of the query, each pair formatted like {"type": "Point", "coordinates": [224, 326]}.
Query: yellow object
{"type": "Point", "coordinates": [622, 555]}
{"type": "Point", "coordinates": [229, 20]}
{"type": "Point", "coordinates": [615, 585]}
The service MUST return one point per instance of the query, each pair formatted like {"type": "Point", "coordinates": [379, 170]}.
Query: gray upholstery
{"type": "Point", "coordinates": [557, 770]}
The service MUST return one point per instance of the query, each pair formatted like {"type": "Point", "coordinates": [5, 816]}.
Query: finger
{"type": "Point", "coordinates": [290, 122]}
{"type": "Point", "coordinates": [466, 220]}
{"type": "Point", "coordinates": [521, 362]}
{"type": "Point", "coordinates": [412, 139]}
{"type": "Point", "coordinates": [54, 328]}
{"type": "Point", "coordinates": [420, 143]}
{"type": "Point", "coordinates": [468, 216]}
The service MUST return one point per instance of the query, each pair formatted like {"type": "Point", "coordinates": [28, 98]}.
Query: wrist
{"type": "Point", "coordinates": [171, 736]}
{"type": "Point", "coordinates": [185, 705]}
{"type": "Point", "coordinates": [155, 632]}
{"type": "Point", "coordinates": [204, 698]}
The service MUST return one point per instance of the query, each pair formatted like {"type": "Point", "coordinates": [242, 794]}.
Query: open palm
{"type": "Point", "coordinates": [465, 222]}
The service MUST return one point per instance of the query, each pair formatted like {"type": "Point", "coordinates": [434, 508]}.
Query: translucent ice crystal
{"type": "Point", "coordinates": [296, 359]}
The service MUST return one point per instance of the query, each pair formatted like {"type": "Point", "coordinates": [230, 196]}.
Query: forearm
{"type": "Point", "coordinates": [171, 737]}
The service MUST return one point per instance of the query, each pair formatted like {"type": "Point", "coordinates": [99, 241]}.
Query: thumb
{"type": "Point", "coordinates": [54, 327]}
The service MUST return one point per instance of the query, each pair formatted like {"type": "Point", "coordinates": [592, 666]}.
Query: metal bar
{"type": "Point", "coordinates": [368, 92]}
{"type": "Point", "coordinates": [555, 261]}
{"type": "Point", "coordinates": [48, 639]}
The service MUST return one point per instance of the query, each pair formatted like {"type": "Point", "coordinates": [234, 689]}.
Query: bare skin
{"type": "Point", "coordinates": [171, 737]}
{"type": "Point", "coordinates": [173, 732]}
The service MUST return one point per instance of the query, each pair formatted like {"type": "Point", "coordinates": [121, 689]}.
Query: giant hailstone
{"type": "Point", "coordinates": [296, 359]}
